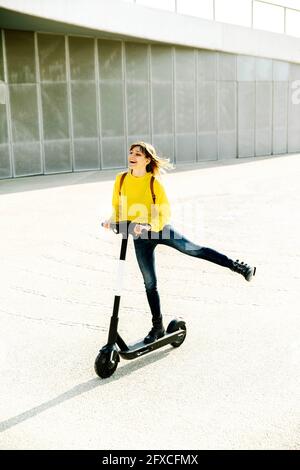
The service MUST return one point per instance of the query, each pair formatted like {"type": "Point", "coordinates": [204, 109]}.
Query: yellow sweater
{"type": "Point", "coordinates": [137, 204]}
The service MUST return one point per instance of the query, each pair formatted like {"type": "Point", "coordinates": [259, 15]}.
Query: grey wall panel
{"type": "Point", "coordinates": [138, 108]}
{"type": "Point", "coordinates": [185, 108]}
{"type": "Point", "coordinates": [280, 115]}
{"type": "Point", "coordinates": [263, 121]}
{"type": "Point", "coordinates": [24, 113]}
{"type": "Point", "coordinates": [52, 57]}
{"type": "Point", "coordinates": [1, 59]}
{"type": "Point", "coordinates": [207, 146]}
{"type": "Point", "coordinates": [57, 156]}
{"type": "Point", "coordinates": [246, 119]}
{"type": "Point", "coordinates": [3, 124]}
{"type": "Point", "coordinates": [163, 108]}
{"type": "Point", "coordinates": [227, 66]}
{"type": "Point", "coordinates": [112, 109]}
{"type": "Point", "coordinates": [263, 69]}
{"type": "Point", "coordinates": [161, 63]}
{"type": "Point", "coordinates": [245, 68]}
{"type": "Point", "coordinates": [227, 121]}
{"type": "Point", "coordinates": [207, 121]}
{"type": "Point", "coordinates": [5, 167]}
{"type": "Point", "coordinates": [27, 159]}
{"type": "Point", "coordinates": [84, 109]}
{"type": "Point", "coordinates": [184, 64]}
{"type": "Point", "coordinates": [164, 145]}
{"type": "Point", "coordinates": [293, 120]}
{"type": "Point", "coordinates": [294, 72]}
{"type": "Point", "coordinates": [86, 154]}
{"type": "Point", "coordinates": [186, 148]}
{"type": "Point", "coordinates": [82, 61]}
{"type": "Point", "coordinates": [136, 62]}
{"type": "Point", "coordinates": [110, 60]}
{"type": "Point", "coordinates": [113, 153]}
{"type": "Point", "coordinates": [206, 65]}
{"type": "Point", "coordinates": [20, 56]}
{"type": "Point", "coordinates": [55, 111]}
{"type": "Point", "coordinates": [281, 71]}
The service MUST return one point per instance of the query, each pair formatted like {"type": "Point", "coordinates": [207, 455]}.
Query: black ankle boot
{"type": "Point", "coordinates": [244, 269]}
{"type": "Point", "coordinates": [156, 332]}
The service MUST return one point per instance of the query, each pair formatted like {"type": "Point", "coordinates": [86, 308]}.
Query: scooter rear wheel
{"type": "Point", "coordinates": [176, 325]}
{"type": "Point", "coordinates": [103, 366]}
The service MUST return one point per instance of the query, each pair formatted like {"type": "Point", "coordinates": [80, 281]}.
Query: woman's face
{"type": "Point", "coordinates": [137, 159]}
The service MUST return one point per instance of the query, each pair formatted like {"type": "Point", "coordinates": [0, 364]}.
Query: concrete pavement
{"type": "Point", "coordinates": [234, 383]}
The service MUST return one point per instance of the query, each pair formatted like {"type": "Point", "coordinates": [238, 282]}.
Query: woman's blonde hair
{"type": "Point", "coordinates": [157, 165]}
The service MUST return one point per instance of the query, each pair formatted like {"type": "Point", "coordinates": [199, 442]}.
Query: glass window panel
{"type": "Point", "coordinates": [84, 110]}
{"type": "Point", "coordinates": [138, 108]}
{"type": "Point", "coordinates": [268, 17]}
{"type": "Point", "coordinates": [52, 57]}
{"type": "Point", "coordinates": [55, 111]}
{"type": "Point", "coordinates": [113, 153]}
{"type": "Point", "coordinates": [136, 61]}
{"type": "Point", "coordinates": [186, 148]}
{"type": "Point", "coordinates": [264, 70]}
{"type": "Point", "coordinates": [3, 124]}
{"type": "Point", "coordinates": [227, 66]}
{"type": "Point", "coordinates": [20, 56]}
{"type": "Point", "coordinates": [202, 9]}
{"type": "Point", "coordinates": [86, 154]}
{"type": "Point", "coordinates": [112, 109]}
{"type": "Point", "coordinates": [245, 68]}
{"type": "Point", "coordinates": [82, 61]}
{"type": "Point", "coordinates": [234, 11]}
{"type": "Point", "coordinates": [161, 63]}
{"type": "Point", "coordinates": [293, 22]}
{"type": "Point", "coordinates": [27, 159]}
{"type": "Point", "coordinates": [207, 106]}
{"type": "Point", "coordinates": [57, 156]}
{"type": "Point", "coordinates": [227, 106]}
{"type": "Point", "coordinates": [294, 71]}
{"type": "Point", "coordinates": [207, 65]}
{"type": "Point", "coordinates": [185, 64]}
{"type": "Point", "coordinates": [5, 168]}
{"type": "Point", "coordinates": [263, 121]}
{"type": "Point", "coordinates": [281, 70]}
{"type": "Point", "coordinates": [293, 120]}
{"type": "Point", "coordinates": [185, 108]}
{"type": "Point", "coordinates": [24, 113]}
{"type": "Point", "coordinates": [163, 110]}
{"type": "Point", "coordinates": [207, 146]}
{"type": "Point", "coordinates": [1, 59]}
{"type": "Point", "coordinates": [246, 119]}
{"type": "Point", "coordinates": [110, 60]}
{"type": "Point", "coordinates": [280, 114]}
{"type": "Point", "coordinates": [160, 4]}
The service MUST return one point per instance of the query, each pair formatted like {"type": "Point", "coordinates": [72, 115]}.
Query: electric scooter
{"type": "Point", "coordinates": [109, 355]}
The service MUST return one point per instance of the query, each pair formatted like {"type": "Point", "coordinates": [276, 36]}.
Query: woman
{"type": "Point", "coordinates": [134, 202]}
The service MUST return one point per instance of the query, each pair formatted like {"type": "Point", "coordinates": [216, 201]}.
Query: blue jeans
{"type": "Point", "coordinates": [144, 250]}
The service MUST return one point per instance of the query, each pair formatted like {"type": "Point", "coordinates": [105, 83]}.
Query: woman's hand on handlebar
{"type": "Point", "coordinates": [106, 224]}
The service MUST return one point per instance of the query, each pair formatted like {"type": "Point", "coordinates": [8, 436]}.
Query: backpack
{"type": "Point", "coordinates": [151, 185]}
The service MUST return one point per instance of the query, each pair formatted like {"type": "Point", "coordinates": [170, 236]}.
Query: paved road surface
{"type": "Point", "coordinates": [234, 383]}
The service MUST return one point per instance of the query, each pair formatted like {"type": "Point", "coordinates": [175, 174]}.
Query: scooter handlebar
{"type": "Point", "coordinates": [124, 227]}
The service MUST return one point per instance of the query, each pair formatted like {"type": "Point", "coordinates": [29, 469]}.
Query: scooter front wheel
{"type": "Point", "coordinates": [176, 325]}
{"type": "Point", "coordinates": [104, 366]}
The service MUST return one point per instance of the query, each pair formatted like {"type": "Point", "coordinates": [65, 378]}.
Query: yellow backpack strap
{"type": "Point", "coordinates": [121, 181]}
{"type": "Point", "coordinates": [152, 188]}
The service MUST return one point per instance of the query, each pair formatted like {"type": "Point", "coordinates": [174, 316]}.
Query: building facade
{"type": "Point", "coordinates": [74, 98]}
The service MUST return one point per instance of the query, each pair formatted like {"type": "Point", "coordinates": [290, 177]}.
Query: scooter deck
{"type": "Point", "coordinates": [139, 348]}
